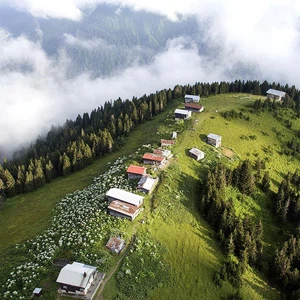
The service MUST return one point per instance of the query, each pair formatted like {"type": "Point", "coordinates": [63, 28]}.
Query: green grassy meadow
{"type": "Point", "coordinates": [192, 251]}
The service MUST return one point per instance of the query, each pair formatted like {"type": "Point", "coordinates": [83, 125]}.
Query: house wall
{"type": "Point", "coordinates": [180, 116]}
{"type": "Point", "coordinates": [134, 176]}
{"type": "Point", "coordinates": [152, 162]}
{"type": "Point", "coordinates": [214, 142]}
{"type": "Point", "coordinates": [190, 100]}
{"type": "Point", "coordinates": [194, 156]}
{"type": "Point", "coordinates": [277, 98]}
{"type": "Point", "coordinates": [192, 109]}
{"type": "Point", "coordinates": [70, 289]}
{"type": "Point", "coordinates": [117, 214]}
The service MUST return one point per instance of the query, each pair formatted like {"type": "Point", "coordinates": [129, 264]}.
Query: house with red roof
{"type": "Point", "coordinates": [193, 107]}
{"type": "Point", "coordinates": [136, 172]}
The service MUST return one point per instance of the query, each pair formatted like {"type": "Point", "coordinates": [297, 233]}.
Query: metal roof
{"type": "Point", "coordinates": [197, 152]}
{"type": "Point", "coordinates": [123, 208]}
{"type": "Point", "coordinates": [76, 274]}
{"type": "Point", "coordinates": [192, 105]}
{"type": "Point", "coordinates": [136, 170]}
{"type": "Point", "coordinates": [147, 183]}
{"type": "Point", "coordinates": [125, 196]}
{"type": "Point", "coordinates": [194, 97]}
{"type": "Point", "coordinates": [164, 152]}
{"type": "Point", "coordinates": [37, 291]}
{"type": "Point", "coordinates": [214, 136]}
{"type": "Point", "coordinates": [115, 243]}
{"type": "Point", "coordinates": [182, 112]}
{"type": "Point", "coordinates": [154, 157]}
{"type": "Point", "coordinates": [275, 92]}
{"type": "Point", "coordinates": [168, 142]}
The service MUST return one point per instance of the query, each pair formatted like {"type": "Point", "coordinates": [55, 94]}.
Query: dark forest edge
{"type": "Point", "coordinates": [73, 146]}
{"type": "Point", "coordinates": [242, 237]}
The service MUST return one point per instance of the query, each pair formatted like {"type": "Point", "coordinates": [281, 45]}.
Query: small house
{"type": "Point", "coordinates": [214, 140]}
{"type": "Point", "coordinates": [174, 135]}
{"type": "Point", "coordinates": [191, 98]}
{"type": "Point", "coordinates": [76, 278]}
{"type": "Point", "coordinates": [164, 152]}
{"type": "Point", "coordinates": [147, 184]}
{"type": "Point", "coordinates": [165, 143]}
{"type": "Point", "coordinates": [153, 159]}
{"type": "Point", "coordinates": [194, 107]}
{"type": "Point", "coordinates": [136, 172]}
{"type": "Point", "coordinates": [275, 94]}
{"type": "Point", "coordinates": [123, 210]}
{"type": "Point", "coordinates": [115, 244]}
{"type": "Point", "coordinates": [124, 196]}
{"type": "Point", "coordinates": [182, 114]}
{"type": "Point", "coordinates": [196, 153]}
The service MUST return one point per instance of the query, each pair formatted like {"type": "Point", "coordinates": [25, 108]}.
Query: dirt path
{"type": "Point", "coordinates": [99, 295]}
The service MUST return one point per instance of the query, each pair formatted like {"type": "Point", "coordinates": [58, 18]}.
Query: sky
{"type": "Point", "coordinates": [262, 35]}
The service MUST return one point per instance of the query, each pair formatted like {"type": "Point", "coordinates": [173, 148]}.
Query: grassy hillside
{"type": "Point", "coordinates": [191, 249]}
{"type": "Point", "coordinates": [26, 215]}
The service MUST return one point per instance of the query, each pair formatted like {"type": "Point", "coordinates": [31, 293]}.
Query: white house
{"type": "Point", "coordinates": [76, 278]}
{"type": "Point", "coordinates": [196, 153]}
{"type": "Point", "coordinates": [214, 140]}
{"type": "Point", "coordinates": [182, 114]}
{"type": "Point", "coordinates": [275, 94]}
{"type": "Point", "coordinates": [124, 196]}
{"type": "Point", "coordinates": [147, 184]}
{"type": "Point", "coordinates": [191, 98]}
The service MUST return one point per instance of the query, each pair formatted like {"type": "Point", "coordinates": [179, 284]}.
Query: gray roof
{"type": "Point", "coordinates": [214, 136]}
{"type": "Point", "coordinates": [275, 92]}
{"type": "Point", "coordinates": [147, 183]}
{"type": "Point", "coordinates": [76, 274]}
{"type": "Point", "coordinates": [125, 196]}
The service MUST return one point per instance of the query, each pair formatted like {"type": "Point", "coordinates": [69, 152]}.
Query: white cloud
{"type": "Point", "coordinates": [261, 34]}
{"type": "Point", "coordinates": [32, 101]}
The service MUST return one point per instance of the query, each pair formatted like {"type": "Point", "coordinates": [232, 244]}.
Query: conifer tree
{"type": "Point", "coordinates": [265, 185]}
{"type": "Point", "coordinates": [29, 182]}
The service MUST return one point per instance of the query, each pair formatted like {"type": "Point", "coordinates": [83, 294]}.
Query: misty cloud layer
{"type": "Point", "coordinates": [259, 36]}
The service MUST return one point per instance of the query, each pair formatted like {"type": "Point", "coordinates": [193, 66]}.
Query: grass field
{"type": "Point", "coordinates": [193, 253]}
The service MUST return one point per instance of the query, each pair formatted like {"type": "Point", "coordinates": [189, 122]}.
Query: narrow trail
{"type": "Point", "coordinates": [99, 295]}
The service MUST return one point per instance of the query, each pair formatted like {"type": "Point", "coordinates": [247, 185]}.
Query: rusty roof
{"type": "Point", "coordinates": [123, 208]}
{"type": "Point", "coordinates": [193, 105]}
{"type": "Point", "coordinates": [168, 142]}
{"type": "Point", "coordinates": [114, 243]}
{"type": "Point", "coordinates": [154, 157]}
{"type": "Point", "coordinates": [136, 170]}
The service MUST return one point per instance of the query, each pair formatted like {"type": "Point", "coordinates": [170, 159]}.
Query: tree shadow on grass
{"type": "Point", "coordinates": [203, 137]}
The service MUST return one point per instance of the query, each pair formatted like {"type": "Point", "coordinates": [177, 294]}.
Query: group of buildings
{"type": "Point", "coordinates": [77, 278]}
{"type": "Point", "coordinates": [190, 105]}
{"type": "Point", "coordinates": [128, 205]}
